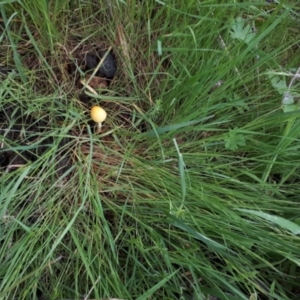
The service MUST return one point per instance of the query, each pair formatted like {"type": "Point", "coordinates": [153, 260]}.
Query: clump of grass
{"type": "Point", "coordinates": [191, 188]}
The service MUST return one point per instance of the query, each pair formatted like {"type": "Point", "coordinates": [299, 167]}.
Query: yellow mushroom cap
{"type": "Point", "coordinates": [98, 114]}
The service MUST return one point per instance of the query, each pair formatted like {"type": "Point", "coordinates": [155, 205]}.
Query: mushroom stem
{"type": "Point", "coordinates": [99, 126]}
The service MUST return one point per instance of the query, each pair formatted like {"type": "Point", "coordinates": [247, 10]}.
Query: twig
{"type": "Point", "coordinates": [293, 79]}
{"type": "Point", "coordinates": [86, 85]}
{"type": "Point", "coordinates": [287, 93]}
{"type": "Point", "coordinates": [87, 296]}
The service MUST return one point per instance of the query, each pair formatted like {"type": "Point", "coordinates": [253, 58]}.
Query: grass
{"type": "Point", "coordinates": [190, 190]}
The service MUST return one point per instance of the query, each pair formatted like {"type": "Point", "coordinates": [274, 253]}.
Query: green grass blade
{"type": "Point", "coordinates": [282, 222]}
{"type": "Point", "coordinates": [152, 290]}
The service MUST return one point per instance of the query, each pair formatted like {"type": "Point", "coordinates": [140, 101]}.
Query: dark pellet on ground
{"type": "Point", "coordinates": [107, 69]}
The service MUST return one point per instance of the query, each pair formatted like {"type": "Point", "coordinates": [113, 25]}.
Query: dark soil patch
{"type": "Point", "coordinates": [24, 141]}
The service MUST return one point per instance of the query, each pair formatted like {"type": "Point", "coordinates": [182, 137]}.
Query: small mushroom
{"type": "Point", "coordinates": [98, 115]}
